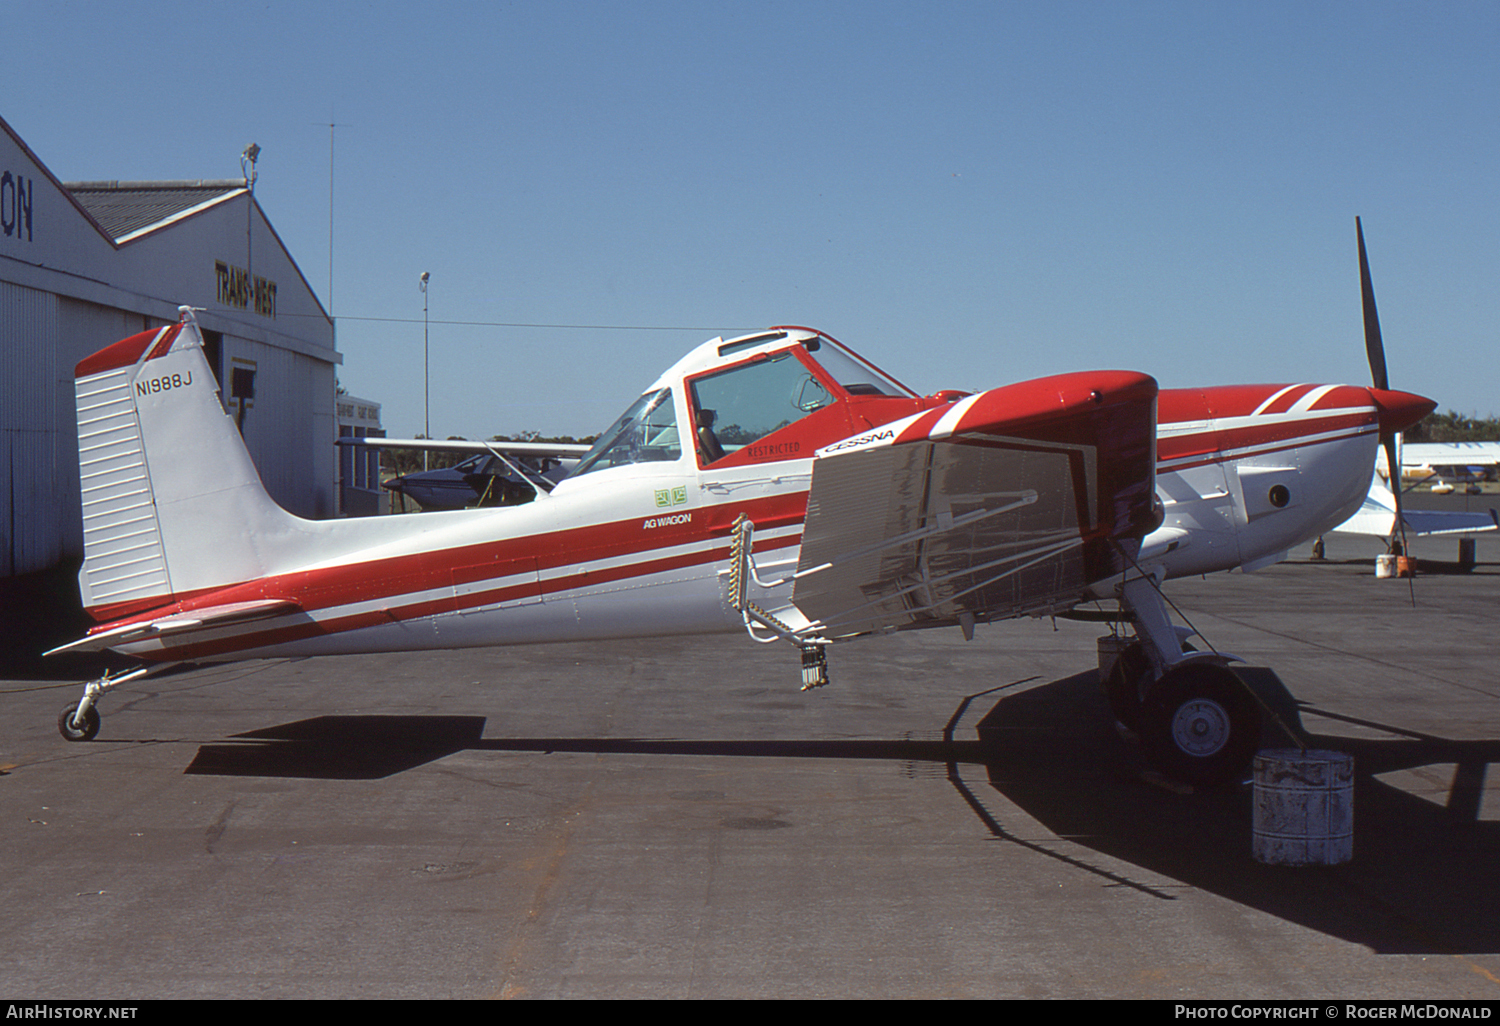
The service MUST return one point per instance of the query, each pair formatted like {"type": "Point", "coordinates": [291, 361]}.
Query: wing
{"type": "Point", "coordinates": [561, 449]}
{"type": "Point", "coordinates": [1466, 454]}
{"type": "Point", "coordinates": [1007, 503]}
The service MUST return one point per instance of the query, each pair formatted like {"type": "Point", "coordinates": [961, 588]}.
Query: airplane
{"type": "Point", "coordinates": [487, 479]}
{"type": "Point", "coordinates": [1439, 463]}
{"type": "Point", "coordinates": [776, 483]}
{"type": "Point", "coordinates": [1377, 517]}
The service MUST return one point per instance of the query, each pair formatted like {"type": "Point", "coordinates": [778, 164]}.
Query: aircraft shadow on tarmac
{"type": "Point", "coordinates": [1424, 877]}
{"type": "Point", "coordinates": [1423, 880]}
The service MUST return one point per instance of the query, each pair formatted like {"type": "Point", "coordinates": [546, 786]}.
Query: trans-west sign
{"type": "Point", "coordinates": [238, 288]}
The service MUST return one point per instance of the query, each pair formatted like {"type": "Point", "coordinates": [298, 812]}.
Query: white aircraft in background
{"type": "Point", "coordinates": [775, 483]}
{"type": "Point", "coordinates": [1447, 461]}
{"type": "Point", "coordinates": [1423, 463]}
{"type": "Point", "coordinates": [1377, 518]}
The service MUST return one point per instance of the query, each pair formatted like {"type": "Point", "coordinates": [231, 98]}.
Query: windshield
{"type": "Point", "coordinates": [645, 433]}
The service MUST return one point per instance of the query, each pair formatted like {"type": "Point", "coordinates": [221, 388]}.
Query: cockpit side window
{"type": "Point", "coordinates": [645, 433]}
{"type": "Point", "coordinates": [856, 376]}
{"type": "Point", "coordinates": [737, 406]}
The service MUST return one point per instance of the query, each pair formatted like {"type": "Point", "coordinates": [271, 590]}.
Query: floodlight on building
{"type": "Point", "coordinates": [249, 157]}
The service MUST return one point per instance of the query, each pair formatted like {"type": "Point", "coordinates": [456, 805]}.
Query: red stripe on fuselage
{"type": "Point", "coordinates": [392, 577]}
{"type": "Point", "coordinates": [1191, 405]}
{"type": "Point", "coordinates": [450, 604]}
{"type": "Point", "coordinates": [1233, 456]}
{"type": "Point", "coordinates": [1298, 431]}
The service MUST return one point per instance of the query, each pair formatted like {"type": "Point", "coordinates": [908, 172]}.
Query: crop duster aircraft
{"type": "Point", "coordinates": [775, 483]}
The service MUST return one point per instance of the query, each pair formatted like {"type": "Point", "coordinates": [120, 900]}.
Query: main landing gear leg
{"type": "Point", "coordinates": [1197, 721]}
{"type": "Point", "coordinates": [80, 721]}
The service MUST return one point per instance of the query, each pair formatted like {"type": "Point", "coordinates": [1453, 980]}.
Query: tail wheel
{"type": "Point", "coordinates": [85, 730]}
{"type": "Point", "coordinates": [1200, 724]}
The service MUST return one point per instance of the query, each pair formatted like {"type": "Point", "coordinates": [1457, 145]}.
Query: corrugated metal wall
{"type": "Point", "coordinates": [30, 397]}
{"type": "Point", "coordinates": [66, 293]}
{"type": "Point", "coordinates": [42, 336]}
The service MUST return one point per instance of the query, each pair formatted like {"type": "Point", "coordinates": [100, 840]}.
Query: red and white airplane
{"type": "Point", "coordinates": [775, 483]}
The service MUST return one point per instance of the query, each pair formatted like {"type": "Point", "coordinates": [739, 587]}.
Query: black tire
{"type": "Point", "coordinates": [1200, 724]}
{"type": "Point", "coordinates": [90, 724]}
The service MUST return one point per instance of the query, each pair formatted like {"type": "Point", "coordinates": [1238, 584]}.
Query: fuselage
{"type": "Point", "coordinates": [636, 542]}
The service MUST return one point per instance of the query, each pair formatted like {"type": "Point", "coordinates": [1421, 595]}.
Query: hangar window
{"type": "Point", "coordinates": [213, 348]}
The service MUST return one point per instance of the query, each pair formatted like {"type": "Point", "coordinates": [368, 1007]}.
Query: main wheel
{"type": "Point", "coordinates": [1200, 724]}
{"type": "Point", "coordinates": [85, 733]}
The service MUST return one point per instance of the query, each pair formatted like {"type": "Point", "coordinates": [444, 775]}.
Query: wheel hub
{"type": "Point", "coordinates": [1200, 727]}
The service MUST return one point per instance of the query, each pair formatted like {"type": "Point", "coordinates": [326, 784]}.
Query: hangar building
{"type": "Point", "coordinates": [85, 264]}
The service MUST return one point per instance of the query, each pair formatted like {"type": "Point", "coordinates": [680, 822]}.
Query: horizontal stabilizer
{"type": "Point", "coordinates": [1377, 517]}
{"type": "Point", "coordinates": [180, 623]}
{"type": "Point", "coordinates": [1430, 521]}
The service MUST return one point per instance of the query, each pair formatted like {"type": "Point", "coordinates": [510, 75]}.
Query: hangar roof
{"type": "Point", "coordinates": [129, 209]}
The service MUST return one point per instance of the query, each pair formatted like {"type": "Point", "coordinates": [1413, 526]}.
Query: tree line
{"type": "Point", "coordinates": [1454, 427]}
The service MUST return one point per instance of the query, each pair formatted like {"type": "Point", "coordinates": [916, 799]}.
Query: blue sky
{"type": "Point", "coordinates": [968, 193]}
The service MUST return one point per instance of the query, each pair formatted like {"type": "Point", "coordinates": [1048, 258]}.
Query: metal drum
{"type": "Point", "coordinates": [1304, 808]}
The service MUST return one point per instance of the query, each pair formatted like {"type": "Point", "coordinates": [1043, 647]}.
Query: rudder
{"type": "Point", "coordinates": [172, 503]}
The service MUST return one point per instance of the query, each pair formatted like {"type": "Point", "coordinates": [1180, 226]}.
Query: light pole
{"type": "Point", "coordinates": [426, 409]}
{"type": "Point", "coordinates": [247, 167]}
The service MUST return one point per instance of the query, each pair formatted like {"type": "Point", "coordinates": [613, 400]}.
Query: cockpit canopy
{"type": "Point", "coordinates": [733, 394]}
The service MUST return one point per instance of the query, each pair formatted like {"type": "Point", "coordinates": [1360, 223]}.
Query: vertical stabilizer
{"type": "Point", "coordinates": [172, 504]}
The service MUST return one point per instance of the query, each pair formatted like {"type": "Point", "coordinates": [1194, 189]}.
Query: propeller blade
{"type": "Point", "coordinates": [1398, 409]}
{"type": "Point", "coordinates": [1374, 348]}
